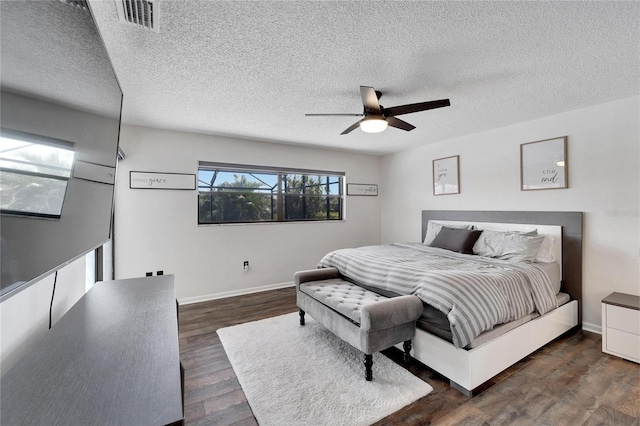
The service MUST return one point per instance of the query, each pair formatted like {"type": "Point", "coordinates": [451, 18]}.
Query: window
{"type": "Point", "coordinates": [34, 171]}
{"type": "Point", "coordinates": [245, 194]}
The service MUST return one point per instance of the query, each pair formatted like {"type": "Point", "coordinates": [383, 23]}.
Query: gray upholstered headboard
{"type": "Point", "coordinates": [571, 223]}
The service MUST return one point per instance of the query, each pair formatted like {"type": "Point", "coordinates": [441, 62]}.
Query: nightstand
{"type": "Point", "coordinates": [621, 326]}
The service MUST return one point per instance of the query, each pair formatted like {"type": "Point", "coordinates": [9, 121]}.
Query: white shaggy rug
{"type": "Point", "coordinates": [304, 375]}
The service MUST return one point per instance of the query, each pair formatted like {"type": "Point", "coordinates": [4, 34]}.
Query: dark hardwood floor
{"type": "Point", "coordinates": [568, 382]}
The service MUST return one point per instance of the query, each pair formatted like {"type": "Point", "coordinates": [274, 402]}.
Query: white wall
{"type": "Point", "coordinates": [158, 229]}
{"type": "Point", "coordinates": [24, 317]}
{"type": "Point", "coordinates": [603, 161]}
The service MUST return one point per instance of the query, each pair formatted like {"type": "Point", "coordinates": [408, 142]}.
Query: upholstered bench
{"type": "Point", "coordinates": [364, 319]}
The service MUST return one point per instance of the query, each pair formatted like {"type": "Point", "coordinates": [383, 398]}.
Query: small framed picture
{"type": "Point", "coordinates": [446, 175]}
{"type": "Point", "coordinates": [543, 164]}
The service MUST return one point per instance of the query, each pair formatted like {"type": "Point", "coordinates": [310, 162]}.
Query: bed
{"type": "Point", "coordinates": [535, 302]}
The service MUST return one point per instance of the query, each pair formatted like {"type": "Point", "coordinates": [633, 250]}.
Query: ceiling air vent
{"type": "Point", "coordinates": [141, 13]}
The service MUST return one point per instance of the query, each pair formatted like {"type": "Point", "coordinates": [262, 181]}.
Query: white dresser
{"type": "Point", "coordinates": [621, 326]}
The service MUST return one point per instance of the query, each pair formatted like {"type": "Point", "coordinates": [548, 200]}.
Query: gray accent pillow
{"type": "Point", "coordinates": [434, 228]}
{"type": "Point", "coordinates": [459, 240]}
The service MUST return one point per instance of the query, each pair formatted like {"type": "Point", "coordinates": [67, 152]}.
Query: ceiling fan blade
{"type": "Point", "coordinates": [399, 124]}
{"type": "Point", "coordinates": [370, 100]}
{"type": "Point", "coordinates": [351, 128]}
{"type": "Point", "coordinates": [420, 106]}
{"type": "Point", "coordinates": [328, 115]}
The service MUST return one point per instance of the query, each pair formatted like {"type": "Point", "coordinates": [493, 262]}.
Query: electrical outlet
{"type": "Point", "coordinates": [148, 274]}
{"type": "Point", "coordinates": [245, 266]}
{"type": "Point", "coordinates": [160, 273]}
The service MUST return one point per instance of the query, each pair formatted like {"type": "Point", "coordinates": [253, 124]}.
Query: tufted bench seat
{"type": "Point", "coordinates": [364, 319]}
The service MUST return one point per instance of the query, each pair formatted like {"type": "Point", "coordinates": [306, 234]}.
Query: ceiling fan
{"type": "Point", "coordinates": [377, 118]}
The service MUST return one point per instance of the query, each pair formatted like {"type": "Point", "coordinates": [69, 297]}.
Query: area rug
{"type": "Point", "coordinates": [304, 375]}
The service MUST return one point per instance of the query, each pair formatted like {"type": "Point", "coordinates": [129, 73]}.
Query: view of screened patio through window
{"type": "Point", "coordinates": [245, 194]}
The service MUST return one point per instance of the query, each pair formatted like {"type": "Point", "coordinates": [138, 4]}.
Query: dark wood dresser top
{"type": "Point", "coordinates": [113, 358]}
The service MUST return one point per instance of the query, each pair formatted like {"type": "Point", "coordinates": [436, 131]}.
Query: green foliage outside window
{"type": "Point", "coordinates": [245, 196]}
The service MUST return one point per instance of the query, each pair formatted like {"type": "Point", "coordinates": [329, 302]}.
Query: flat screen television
{"type": "Point", "coordinates": [60, 106]}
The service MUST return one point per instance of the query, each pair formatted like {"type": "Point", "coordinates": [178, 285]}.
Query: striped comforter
{"type": "Point", "coordinates": [476, 293]}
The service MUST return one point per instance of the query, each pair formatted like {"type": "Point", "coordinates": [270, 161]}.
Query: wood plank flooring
{"type": "Point", "coordinates": [568, 382]}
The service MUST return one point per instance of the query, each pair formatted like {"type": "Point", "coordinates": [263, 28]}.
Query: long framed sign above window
{"type": "Point", "coordinates": [154, 180]}
{"type": "Point", "coordinates": [543, 164]}
{"type": "Point", "coordinates": [362, 189]}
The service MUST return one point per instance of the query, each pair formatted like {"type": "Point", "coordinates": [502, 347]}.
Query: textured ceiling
{"type": "Point", "coordinates": [253, 69]}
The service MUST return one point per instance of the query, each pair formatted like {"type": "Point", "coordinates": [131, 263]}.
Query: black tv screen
{"type": "Point", "coordinates": [60, 105]}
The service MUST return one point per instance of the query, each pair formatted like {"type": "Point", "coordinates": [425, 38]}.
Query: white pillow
{"type": "Point", "coordinates": [433, 229]}
{"type": "Point", "coordinates": [511, 245]}
{"type": "Point", "coordinates": [545, 252]}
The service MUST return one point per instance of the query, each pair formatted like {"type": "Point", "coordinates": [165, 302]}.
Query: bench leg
{"type": "Point", "coordinates": [368, 363]}
{"type": "Point", "coordinates": [301, 313]}
{"type": "Point", "coordinates": [407, 350]}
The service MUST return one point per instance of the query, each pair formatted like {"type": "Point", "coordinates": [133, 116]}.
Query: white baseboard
{"type": "Point", "coordinates": [225, 294]}
{"type": "Point", "coordinates": [587, 326]}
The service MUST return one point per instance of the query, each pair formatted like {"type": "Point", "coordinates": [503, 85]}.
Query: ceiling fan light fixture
{"type": "Point", "coordinates": [373, 124]}
{"type": "Point", "coordinates": [376, 118]}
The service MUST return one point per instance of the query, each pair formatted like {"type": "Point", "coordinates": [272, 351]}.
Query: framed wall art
{"type": "Point", "coordinates": [543, 164]}
{"type": "Point", "coordinates": [362, 189]}
{"type": "Point", "coordinates": [154, 180]}
{"type": "Point", "coordinates": [446, 175]}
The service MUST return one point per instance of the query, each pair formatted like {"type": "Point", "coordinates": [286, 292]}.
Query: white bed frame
{"type": "Point", "coordinates": [468, 370]}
